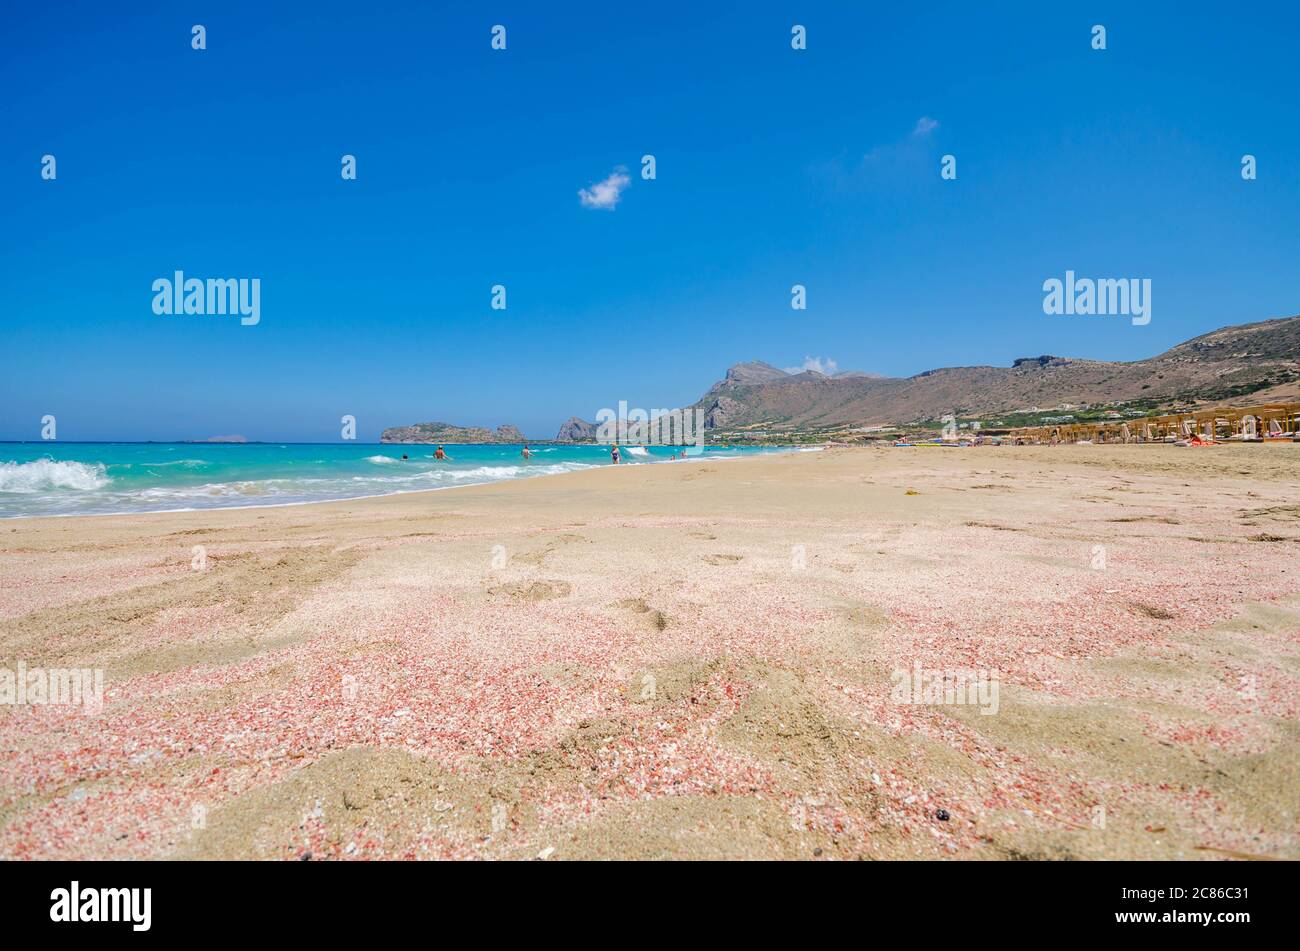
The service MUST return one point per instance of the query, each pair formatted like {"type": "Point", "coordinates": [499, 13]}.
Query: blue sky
{"type": "Point", "coordinates": [775, 167]}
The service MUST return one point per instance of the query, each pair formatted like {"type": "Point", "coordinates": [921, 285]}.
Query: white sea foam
{"type": "Point", "coordinates": [41, 475]}
{"type": "Point", "coordinates": [510, 472]}
{"type": "Point", "coordinates": [487, 472]}
{"type": "Point", "coordinates": [383, 460]}
{"type": "Point", "coordinates": [637, 451]}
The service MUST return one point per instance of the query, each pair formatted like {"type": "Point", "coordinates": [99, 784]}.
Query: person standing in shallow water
{"type": "Point", "coordinates": [526, 453]}
{"type": "Point", "coordinates": [613, 454]}
{"type": "Point", "coordinates": [439, 454]}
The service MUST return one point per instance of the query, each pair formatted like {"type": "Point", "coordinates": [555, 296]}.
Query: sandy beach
{"type": "Point", "coordinates": [681, 660]}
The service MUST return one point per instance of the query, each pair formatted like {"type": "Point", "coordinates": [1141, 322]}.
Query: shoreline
{"type": "Point", "coordinates": [775, 452]}
{"type": "Point", "coordinates": [383, 495]}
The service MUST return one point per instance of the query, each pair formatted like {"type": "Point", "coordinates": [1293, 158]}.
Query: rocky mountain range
{"type": "Point", "coordinates": [1259, 362]}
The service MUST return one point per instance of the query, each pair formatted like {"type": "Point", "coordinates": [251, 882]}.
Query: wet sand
{"type": "Point", "coordinates": [686, 660]}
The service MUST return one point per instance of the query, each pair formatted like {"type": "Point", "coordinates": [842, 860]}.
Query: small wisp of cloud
{"type": "Point", "coordinates": [827, 367]}
{"type": "Point", "coordinates": [605, 194]}
{"type": "Point", "coordinates": [891, 168]}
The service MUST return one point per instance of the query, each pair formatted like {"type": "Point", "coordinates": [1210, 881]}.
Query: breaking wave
{"type": "Point", "coordinates": [41, 475]}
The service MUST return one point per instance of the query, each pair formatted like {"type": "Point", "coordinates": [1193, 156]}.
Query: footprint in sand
{"type": "Point", "coordinates": [696, 474]}
{"type": "Point", "coordinates": [657, 618]}
{"type": "Point", "coordinates": [532, 591]}
{"type": "Point", "coordinates": [723, 559]}
{"type": "Point", "coordinates": [1151, 611]}
{"type": "Point", "coordinates": [537, 557]}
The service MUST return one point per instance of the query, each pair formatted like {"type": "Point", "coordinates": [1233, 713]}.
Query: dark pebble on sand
{"type": "Point", "coordinates": [942, 815]}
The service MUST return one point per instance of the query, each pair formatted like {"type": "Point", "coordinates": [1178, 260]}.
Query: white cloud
{"type": "Point", "coordinates": [924, 126]}
{"type": "Point", "coordinates": [828, 366]}
{"type": "Point", "coordinates": [605, 194]}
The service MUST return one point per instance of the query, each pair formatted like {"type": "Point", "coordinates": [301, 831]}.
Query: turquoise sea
{"type": "Point", "coordinates": [53, 478]}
